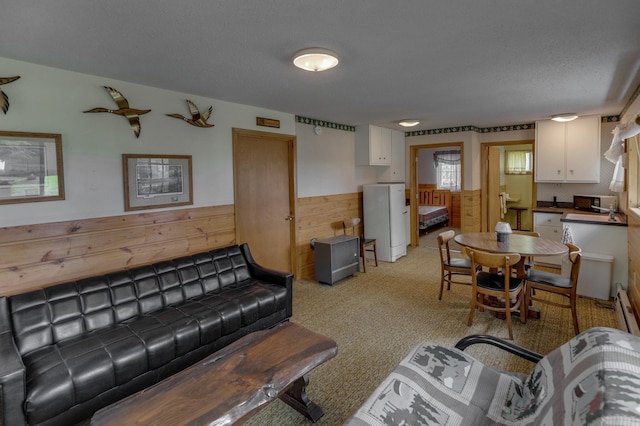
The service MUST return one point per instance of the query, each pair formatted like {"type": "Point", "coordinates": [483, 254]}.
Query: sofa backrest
{"type": "Point", "coordinates": [44, 317]}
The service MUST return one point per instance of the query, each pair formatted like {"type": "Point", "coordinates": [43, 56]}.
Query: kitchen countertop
{"type": "Point", "coordinates": [598, 218]}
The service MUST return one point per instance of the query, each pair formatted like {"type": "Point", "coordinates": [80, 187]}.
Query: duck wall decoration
{"type": "Point", "coordinates": [197, 119]}
{"type": "Point", "coordinates": [4, 99]}
{"type": "Point", "coordinates": [124, 110]}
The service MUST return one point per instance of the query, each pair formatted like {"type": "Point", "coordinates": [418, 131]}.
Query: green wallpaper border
{"type": "Point", "coordinates": [495, 129]}
{"type": "Point", "coordinates": [322, 123]}
{"type": "Point", "coordinates": [444, 130]}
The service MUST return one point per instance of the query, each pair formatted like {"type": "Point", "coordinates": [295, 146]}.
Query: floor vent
{"type": "Point", "coordinates": [624, 312]}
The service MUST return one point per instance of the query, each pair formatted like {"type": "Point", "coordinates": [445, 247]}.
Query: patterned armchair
{"type": "Point", "coordinates": [593, 378]}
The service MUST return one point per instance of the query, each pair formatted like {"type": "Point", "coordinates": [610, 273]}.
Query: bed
{"type": "Point", "coordinates": [434, 207]}
{"type": "Point", "coordinates": [431, 216]}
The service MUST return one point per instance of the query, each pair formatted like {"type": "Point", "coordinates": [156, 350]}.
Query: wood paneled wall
{"type": "Point", "coordinates": [633, 289]}
{"type": "Point", "coordinates": [471, 214]}
{"type": "Point", "coordinates": [34, 256]}
{"type": "Point", "coordinates": [321, 217]}
{"type": "Point", "coordinates": [456, 209]}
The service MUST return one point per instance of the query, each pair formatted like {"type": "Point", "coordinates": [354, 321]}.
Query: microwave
{"type": "Point", "coordinates": [587, 202]}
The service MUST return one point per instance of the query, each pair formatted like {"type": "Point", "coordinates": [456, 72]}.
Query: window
{"type": "Point", "coordinates": [448, 169]}
{"type": "Point", "coordinates": [518, 163]}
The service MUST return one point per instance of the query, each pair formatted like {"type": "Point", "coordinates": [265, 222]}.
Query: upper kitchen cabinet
{"type": "Point", "coordinates": [373, 146]}
{"type": "Point", "coordinates": [568, 152]}
{"type": "Point", "coordinates": [396, 171]}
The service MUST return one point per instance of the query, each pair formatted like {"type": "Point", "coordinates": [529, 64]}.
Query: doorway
{"type": "Point", "coordinates": [265, 194]}
{"type": "Point", "coordinates": [498, 178]}
{"type": "Point", "coordinates": [414, 166]}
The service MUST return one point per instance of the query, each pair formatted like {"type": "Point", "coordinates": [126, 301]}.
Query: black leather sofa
{"type": "Point", "coordinates": [70, 349]}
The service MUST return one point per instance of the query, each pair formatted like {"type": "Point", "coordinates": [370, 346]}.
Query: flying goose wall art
{"type": "Point", "coordinates": [124, 110]}
{"type": "Point", "coordinates": [4, 99]}
{"type": "Point", "coordinates": [197, 119]}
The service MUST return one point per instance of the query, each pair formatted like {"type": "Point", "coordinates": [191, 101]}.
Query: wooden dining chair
{"type": "Point", "coordinates": [451, 267]}
{"type": "Point", "coordinates": [367, 245]}
{"type": "Point", "coordinates": [557, 284]}
{"type": "Point", "coordinates": [498, 292]}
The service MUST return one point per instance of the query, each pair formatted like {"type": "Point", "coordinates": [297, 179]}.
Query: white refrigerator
{"type": "Point", "coordinates": [384, 219]}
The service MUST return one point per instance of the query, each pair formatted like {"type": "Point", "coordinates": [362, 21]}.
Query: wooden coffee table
{"type": "Point", "coordinates": [232, 383]}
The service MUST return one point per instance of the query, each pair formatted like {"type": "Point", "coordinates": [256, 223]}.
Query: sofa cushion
{"type": "Point", "coordinates": [85, 366]}
{"type": "Point", "coordinates": [60, 312]}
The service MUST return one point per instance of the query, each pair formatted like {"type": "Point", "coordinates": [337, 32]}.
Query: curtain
{"type": "Point", "coordinates": [616, 153]}
{"type": "Point", "coordinates": [518, 162]}
{"type": "Point", "coordinates": [447, 165]}
{"type": "Point", "coordinates": [446, 157]}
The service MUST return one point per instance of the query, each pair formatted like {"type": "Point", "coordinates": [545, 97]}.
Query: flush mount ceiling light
{"type": "Point", "coordinates": [408, 123]}
{"type": "Point", "coordinates": [565, 117]}
{"type": "Point", "coordinates": [315, 59]}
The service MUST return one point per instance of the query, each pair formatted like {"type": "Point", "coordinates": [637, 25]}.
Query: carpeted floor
{"type": "Point", "coordinates": [429, 239]}
{"type": "Point", "coordinates": [378, 316]}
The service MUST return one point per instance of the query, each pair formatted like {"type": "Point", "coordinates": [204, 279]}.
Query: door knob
{"type": "Point", "coordinates": [288, 218]}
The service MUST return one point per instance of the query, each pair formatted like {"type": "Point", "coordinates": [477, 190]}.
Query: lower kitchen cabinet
{"type": "Point", "coordinates": [548, 225]}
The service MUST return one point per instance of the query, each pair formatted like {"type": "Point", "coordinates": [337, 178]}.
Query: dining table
{"type": "Point", "coordinates": [525, 245]}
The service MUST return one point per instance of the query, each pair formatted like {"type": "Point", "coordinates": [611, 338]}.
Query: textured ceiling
{"type": "Point", "coordinates": [447, 63]}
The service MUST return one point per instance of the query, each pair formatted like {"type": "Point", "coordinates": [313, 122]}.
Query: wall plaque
{"type": "Point", "coordinates": [267, 122]}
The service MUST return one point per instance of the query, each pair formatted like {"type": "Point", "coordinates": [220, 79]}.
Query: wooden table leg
{"type": "Point", "coordinates": [296, 397]}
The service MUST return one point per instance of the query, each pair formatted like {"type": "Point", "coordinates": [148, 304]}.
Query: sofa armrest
{"type": "Point", "coordinates": [499, 343]}
{"type": "Point", "coordinates": [12, 373]}
{"type": "Point", "coordinates": [269, 275]}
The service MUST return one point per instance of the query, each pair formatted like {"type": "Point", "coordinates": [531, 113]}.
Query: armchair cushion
{"type": "Point", "coordinates": [593, 377]}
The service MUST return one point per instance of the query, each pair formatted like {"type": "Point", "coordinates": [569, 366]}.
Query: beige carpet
{"type": "Point", "coordinates": [377, 316]}
{"type": "Point", "coordinates": [429, 239]}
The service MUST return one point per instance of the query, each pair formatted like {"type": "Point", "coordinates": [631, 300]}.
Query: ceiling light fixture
{"type": "Point", "coordinates": [409, 123]}
{"type": "Point", "coordinates": [565, 117]}
{"type": "Point", "coordinates": [315, 59]}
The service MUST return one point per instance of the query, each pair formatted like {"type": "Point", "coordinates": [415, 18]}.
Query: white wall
{"type": "Point", "coordinates": [50, 100]}
{"type": "Point", "coordinates": [426, 170]}
{"type": "Point", "coordinates": [326, 163]}
{"type": "Point", "coordinates": [471, 148]}
{"type": "Point", "coordinates": [545, 191]}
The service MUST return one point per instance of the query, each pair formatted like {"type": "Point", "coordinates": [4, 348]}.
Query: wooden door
{"type": "Point", "coordinates": [493, 188]}
{"type": "Point", "coordinates": [264, 191]}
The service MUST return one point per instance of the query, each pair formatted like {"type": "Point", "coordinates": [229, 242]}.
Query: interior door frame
{"type": "Point", "coordinates": [293, 197]}
{"type": "Point", "coordinates": [413, 185]}
{"type": "Point", "coordinates": [484, 173]}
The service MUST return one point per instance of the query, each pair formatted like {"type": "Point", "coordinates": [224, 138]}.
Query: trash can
{"type": "Point", "coordinates": [595, 276]}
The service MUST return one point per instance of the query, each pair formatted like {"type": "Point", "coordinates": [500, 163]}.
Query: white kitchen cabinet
{"type": "Point", "coordinates": [568, 152]}
{"type": "Point", "coordinates": [396, 171]}
{"type": "Point", "coordinates": [373, 146]}
{"type": "Point", "coordinates": [549, 227]}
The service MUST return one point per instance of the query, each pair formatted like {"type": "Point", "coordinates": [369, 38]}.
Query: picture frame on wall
{"type": "Point", "coordinates": [156, 181]}
{"type": "Point", "coordinates": [30, 167]}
